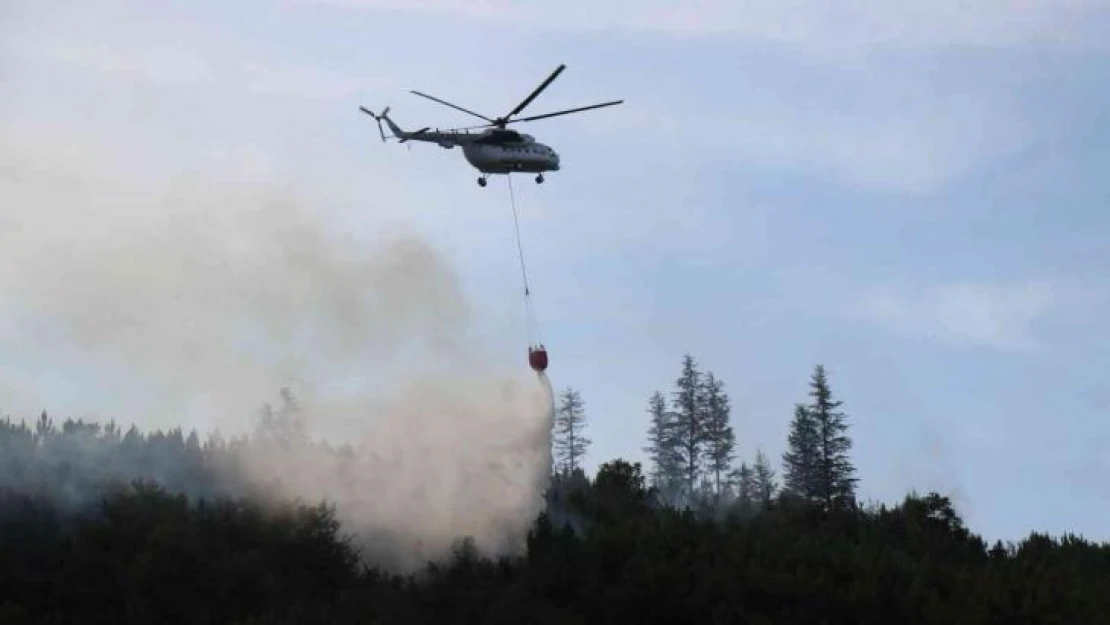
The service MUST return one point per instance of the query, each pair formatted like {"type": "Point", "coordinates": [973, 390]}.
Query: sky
{"type": "Point", "coordinates": [907, 193]}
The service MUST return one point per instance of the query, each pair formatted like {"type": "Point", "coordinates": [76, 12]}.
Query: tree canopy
{"type": "Point", "coordinates": [97, 524]}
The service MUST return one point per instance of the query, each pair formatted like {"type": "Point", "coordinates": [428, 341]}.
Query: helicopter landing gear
{"type": "Point", "coordinates": [482, 181]}
{"type": "Point", "coordinates": [539, 178]}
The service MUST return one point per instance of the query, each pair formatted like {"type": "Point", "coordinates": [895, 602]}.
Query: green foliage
{"type": "Point", "coordinates": [764, 482]}
{"type": "Point", "coordinates": [743, 480]}
{"type": "Point", "coordinates": [834, 477]}
{"type": "Point", "coordinates": [800, 458]}
{"type": "Point", "coordinates": [689, 422]}
{"type": "Point", "coordinates": [145, 555]}
{"type": "Point", "coordinates": [817, 465]}
{"type": "Point", "coordinates": [662, 447]}
{"type": "Point", "coordinates": [691, 447]}
{"type": "Point", "coordinates": [100, 525]}
{"type": "Point", "coordinates": [720, 439]}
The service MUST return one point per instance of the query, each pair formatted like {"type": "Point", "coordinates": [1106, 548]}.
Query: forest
{"type": "Point", "coordinates": [98, 524]}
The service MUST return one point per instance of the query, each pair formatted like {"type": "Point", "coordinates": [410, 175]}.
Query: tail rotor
{"type": "Point", "coordinates": [377, 118]}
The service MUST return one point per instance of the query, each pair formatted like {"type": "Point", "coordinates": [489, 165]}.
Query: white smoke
{"type": "Point", "coordinates": [191, 303]}
{"type": "Point", "coordinates": [457, 457]}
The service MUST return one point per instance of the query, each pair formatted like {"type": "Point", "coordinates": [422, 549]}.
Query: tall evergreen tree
{"type": "Point", "coordinates": [836, 481]}
{"type": "Point", "coordinates": [720, 439]}
{"type": "Point", "coordinates": [689, 422]}
{"type": "Point", "coordinates": [570, 420]}
{"type": "Point", "coordinates": [800, 457]}
{"type": "Point", "coordinates": [743, 480]}
{"type": "Point", "coordinates": [662, 444]}
{"type": "Point", "coordinates": [284, 427]}
{"type": "Point", "coordinates": [765, 485]}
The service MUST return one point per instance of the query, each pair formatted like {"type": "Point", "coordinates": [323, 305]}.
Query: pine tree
{"type": "Point", "coordinates": [743, 480]}
{"type": "Point", "coordinates": [285, 427]}
{"type": "Point", "coordinates": [800, 458]}
{"type": "Point", "coordinates": [689, 422]}
{"type": "Point", "coordinates": [570, 419]}
{"type": "Point", "coordinates": [662, 444]}
{"type": "Point", "coordinates": [765, 485]}
{"type": "Point", "coordinates": [720, 440]}
{"type": "Point", "coordinates": [835, 476]}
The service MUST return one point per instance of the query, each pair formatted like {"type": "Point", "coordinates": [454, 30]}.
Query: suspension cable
{"type": "Point", "coordinates": [532, 323]}
{"type": "Point", "coordinates": [519, 247]}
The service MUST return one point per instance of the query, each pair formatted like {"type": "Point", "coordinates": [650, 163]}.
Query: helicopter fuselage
{"type": "Point", "coordinates": [529, 157]}
{"type": "Point", "coordinates": [494, 151]}
{"type": "Point", "coordinates": [491, 152]}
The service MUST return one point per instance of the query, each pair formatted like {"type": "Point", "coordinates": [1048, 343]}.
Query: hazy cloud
{"type": "Point", "coordinates": [905, 139]}
{"type": "Point", "coordinates": [999, 316]}
{"type": "Point", "coordinates": [823, 27]}
{"type": "Point", "coordinates": [182, 56]}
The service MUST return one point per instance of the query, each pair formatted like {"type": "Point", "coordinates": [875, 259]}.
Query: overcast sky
{"type": "Point", "coordinates": [909, 193]}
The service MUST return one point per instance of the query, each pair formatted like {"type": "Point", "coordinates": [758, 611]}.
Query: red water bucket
{"type": "Point", "coordinates": [537, 358]}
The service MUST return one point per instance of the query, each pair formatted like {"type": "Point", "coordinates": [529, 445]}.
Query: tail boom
{"type": "Point", "coordinates": [445, 139]}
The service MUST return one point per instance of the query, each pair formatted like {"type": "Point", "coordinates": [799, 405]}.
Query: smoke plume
{"type": "Point", "coordinates": [191, 302]}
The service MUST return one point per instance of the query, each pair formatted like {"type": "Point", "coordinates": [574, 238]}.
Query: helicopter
{"type": "Point", "coordinates": [495, 150]}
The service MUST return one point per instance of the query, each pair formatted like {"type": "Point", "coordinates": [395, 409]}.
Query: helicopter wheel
{"type": "Point", "coordinates": [482, 181]}
{"type": "Point", "coordinates": [539, 179]}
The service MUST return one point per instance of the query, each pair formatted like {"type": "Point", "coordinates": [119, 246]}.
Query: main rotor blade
{"type": "Point", "coordinates": [454, 106]}
{"type": "Point", "coordinates": [556, 113]}
{"type": "Point", "coordinates": [543, 85]}
{"type": "Point", "coordinates": [468, 128]}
